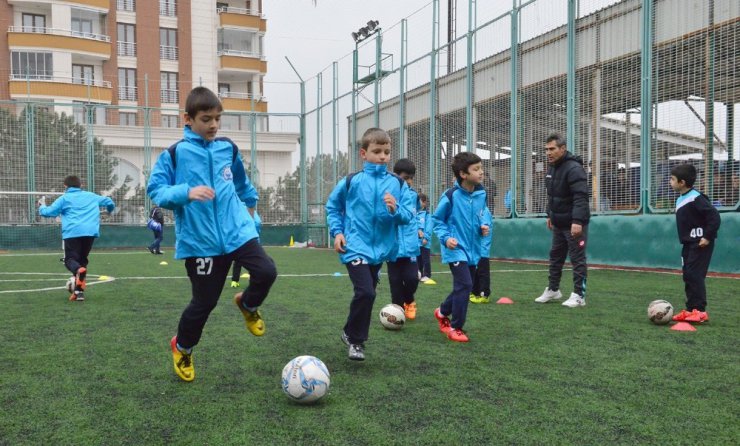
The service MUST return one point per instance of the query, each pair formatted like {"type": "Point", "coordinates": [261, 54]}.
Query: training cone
{"type": "Point", "coordinates": [103, 278]}
{"type": "Point", "coordinates": [245, 276]}
{"type": "Point", "coordinates": [683, 326]}
{"type": "Point", "coordinates": [162, 262]}
{"type": "Point", "coordinates": [291, 242]}
{"type": "Point", "coordinates": [337, 274]}
{"type": "Point", "coordinates": [505, 300]}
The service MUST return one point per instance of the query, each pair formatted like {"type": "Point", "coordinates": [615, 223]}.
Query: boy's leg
{"type": "Point", "coordinates": [409, 279]}
{"type": "Point", "coordinates": [475, 290]}
{"type": "Point", "coordinates": [262, 272]}
{"type": "Point", "coordinates": [158, 237]}
{"type": "Point", "coordinates": [457, 302]}
{"type": "Point", "coordinates": [695, 267]}
{"type": "Point", "coordinates": [483, 277]}
{"type": "Point", "coordinates": [426, 261]}
{"type": "Point", "coordinates": [395, 280]}
{"type": "Point", "coordinates": [236, 272]}
{"type": "Point", "coordinates": [364, 279]}
{"type": "Point", "coordinates": [207, 275]}
{"type": "Point", "coordinates": [73, 254]}
{"type": "Point", "coordinates": [577, 252]}
{"type": "Point", "coordinates": [558, 253]}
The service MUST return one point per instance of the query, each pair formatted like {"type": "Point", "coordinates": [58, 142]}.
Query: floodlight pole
{"type": "Point", "coordinates": [304, 191]}
{"type": "Point", "coordinates": [378, 71]}
{"type": "Point", "coordinates": [353, 124]}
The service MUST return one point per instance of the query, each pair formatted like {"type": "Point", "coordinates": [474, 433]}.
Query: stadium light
{"type": "Point", "coordinates": [366, 31]}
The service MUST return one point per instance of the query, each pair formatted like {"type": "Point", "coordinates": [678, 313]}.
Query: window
{"type": "Point", "coordinates": [31, 65]}
{"type": "Point", "coordinates": [169, 121]}
{"type": "Point", "coordinates": [83, 74]}
{"type": "Point", "coordinates": [82, 27]}
{"type": "Point", "coordinates": [86, 113]}
{"type": "Point", "coordinates": [34, 23]}
{"type": "Point", "coordinates": [127, 119]}
{"type": "Point", "coordinates": [168, 8]}
{"type": "Point", "coordinates": [126, 5]}
{"type": "Point", "coordinates": [168, 93]}
{"type": "Point", "coordinates": [127, 84]}
{"type": "Point", "coordinates": [126, 39]}
{"type": "Point", "coordinates": [221, 6]}
{"type": "Point", "coordinates": [167, 44]}
{"type": "Point", "coordinates": [224, 89]}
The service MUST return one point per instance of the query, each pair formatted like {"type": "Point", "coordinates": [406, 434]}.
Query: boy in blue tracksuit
{"type": "Point", "coordinates": [481, 293]}
{"type": "Point", "coordinates": [363, 213]}
{"type": "Point", "coordinates": [424, 220]}
{"type": "Point", "coordinates": [403, 272]}
{"type": "Point", "coordinates": [459, 226]}
{"type": "Point", "coordinates": [202, 179]}
{"type": "Point", "coordinates": [80, 212]}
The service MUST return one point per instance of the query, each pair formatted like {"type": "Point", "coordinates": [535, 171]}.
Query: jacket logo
{"type": "Point", "coordinates": [228, 174]}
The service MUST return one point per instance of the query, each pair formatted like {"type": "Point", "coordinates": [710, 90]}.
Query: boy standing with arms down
{"type": "Point", "coordinates": [459, 226]}
{"type": "Point", "coordinates": [363, 213]}
{"type": "Point", "coordinates": [697, 222]}
{"type": "Point", "coordinates": [202, 179]}
{"type": "Point", "coordinates": [80, 211]}
{"type": "Point", "coordinates": [403, 272]}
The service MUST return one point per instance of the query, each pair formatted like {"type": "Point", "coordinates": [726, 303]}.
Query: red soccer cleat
{"type": "Point", "coordinates": [444, 321]}
{"type": "Point", "coordinates": [457, 335]}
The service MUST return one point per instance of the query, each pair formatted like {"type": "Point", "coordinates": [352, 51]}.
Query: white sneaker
{"type": "Point", "coordinates": [575, 300]}
{"type": "Point", "coordinates": [424, 279]}
{"type": "Point", "coordinates": [549, 295]}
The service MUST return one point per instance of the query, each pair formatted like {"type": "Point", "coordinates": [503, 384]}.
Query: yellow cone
{"type": "Point", "coordinates": [162, 262]}
{"type": "Point", "coordinates": [103, 278]}
{"type": "Point", "coordinates": [291, 242]}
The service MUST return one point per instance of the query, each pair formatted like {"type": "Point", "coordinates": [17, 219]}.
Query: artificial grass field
{"type": "Point", "coordinates": [100, 372]}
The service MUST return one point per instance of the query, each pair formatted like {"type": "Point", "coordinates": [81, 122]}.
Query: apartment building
{"type": "Point", "coordinates": [128, 65]}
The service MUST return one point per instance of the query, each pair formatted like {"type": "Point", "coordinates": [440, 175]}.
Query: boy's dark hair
{"type": "Point", "coordinates": [374, 135]}
{"type": "Point", "coordinates": [423, 197]}
{"type": "Point", "coordinates": [201, 99]}
{"type": "Point", "coordinates": [685, 172]}
{"type": "Point", "coordinates": [462, 161]}
{"type": "Point", "coordinates": [72, 181]}
{"type": "Point", "coordinates": [404, 165]}
{"type": "Point", "coordinates": [558, 138]}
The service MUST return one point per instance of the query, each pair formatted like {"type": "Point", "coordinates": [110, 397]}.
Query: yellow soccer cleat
{"type": "Point", "coordinates": [430, 282]}
{"type": "Point", "coordinates": [234, 284]}
{"type": "Point", "coordinates": [254, 321]}
{"type": "Point", "coordinates": [183, 362]}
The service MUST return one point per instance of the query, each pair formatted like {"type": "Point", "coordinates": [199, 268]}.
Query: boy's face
{"type": "Point", "coordinates": [376, 153]}
{"type": "Point", "coordinates": [205, 123]}
{"type": "Point", "coordinates": [407, 177]}
{"type": "Point", "coordinates": [677, 185]}
{"type": "Point", "coordinates": [474, 175]}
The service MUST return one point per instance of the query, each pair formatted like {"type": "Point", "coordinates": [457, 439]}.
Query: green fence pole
{"type": "Point", "coordinates": [513, 104]}
{"type": "Point", "coordinates": [31, 159]}
{"type": "Point", "coordinates": [433, 107]}
{"type": "Point", "coordinates": [378, 60]}
{"type": "Point", "coordinates": [646, 105]}
{"type": "Point", "coordinates": [571, 78]}
{"type": "Point", "coordinates": [403, 151]}
{"type": "Point", "coordinates": [353, 124]}
{"type": "Point", "coordinates": [709, 105]}
{"type": "Point", "coordinates": [469, 137]}
{"type": "Point", "coordinates": [90, 148]}
{"type": "Point", "coordinates": [334, 113]}
{"type": "Point", "coordinates": [319, 161]}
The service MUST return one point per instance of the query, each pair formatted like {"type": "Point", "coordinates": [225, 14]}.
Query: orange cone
{"type": "Point", "coordinates": [683, 326]}
{"type": "Point", "coordinates": [505, 300]}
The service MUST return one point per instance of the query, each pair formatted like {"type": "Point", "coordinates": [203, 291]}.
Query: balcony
{"type": "Point", "coordinates": [241, 61]}
{"type": "Point", "coordinates": [101, 5]}
{"type": "Point", "coordinates": [50, 86]}
{"type": "Point", "coordinates": [59, 39]}
{"type": "Point", "coordinates": [126, 49]}
{"type": "Point", "coordinates": [233, 101]}
{"type": "Point", "coordinates": [127, 93]}
{"type": "Point", "coordinates": [169, 96]}
{"type": "Point", "coordinates": [243, 18]}
{"type": "Point", "coordinates": [168, 52]}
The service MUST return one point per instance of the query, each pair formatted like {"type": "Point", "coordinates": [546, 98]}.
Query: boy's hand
{"type": "Point", "coordinates": [484, 230]}
{"type": "Point", "coordinates": [451, 243]}
{"type": "Point", "coordinates": [703, 243]}
{"type": "Point", "coordinates": [390, 202]}
{"type": "Point", "coordinates": [41, 202]}
{"type": "Point", "coordinates": [423, 241]}
{"type": "Point", "coordinates": [576, 230]}
{"type": "Point", "coordinates": [549, 224]}
{"type": "Point", "coordinates": [340, 243]}
{"type": "Point", "coordinates": [421, 233]}
{"type": "Point", "coordinates": [201, 193]}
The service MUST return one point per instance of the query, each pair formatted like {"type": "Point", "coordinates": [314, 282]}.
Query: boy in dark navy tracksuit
{"type": "Point", "coordinates": [363, 213]}
{"type": "Point", "coordinates": [202, 179]}
{"type": "Point", "coordinates": [458, 225]}
{"type": "Point", "coordinates": [80, 212]}
{"type": "Point", "coordinates": [424, 219]}
{"type": "Point", "coordinates": [697, 222]}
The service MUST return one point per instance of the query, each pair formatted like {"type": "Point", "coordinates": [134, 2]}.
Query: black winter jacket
{"type": "Point", "coordinates": [567, 192]}
{"type": "Point", "coordinates": [156, 215]}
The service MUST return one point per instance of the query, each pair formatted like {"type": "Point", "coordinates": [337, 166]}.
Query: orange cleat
{"type": "Point", "coordinates": [409, 310]}
{"type": "Point", "coordinates": [681, 317]}
{"type": "Point", "coordinates": [457, 335]}
{"type": "Point", "coordinates": [444, 321]}
{"type": "Point", "coordinates": [80, 278]}
{"type": "Point", "coordinates": [697, 316]}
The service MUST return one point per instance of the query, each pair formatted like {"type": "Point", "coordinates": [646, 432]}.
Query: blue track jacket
{"type": "Point", "coordinates": [408, 234]}
{"type": "Point", "coordinates": [424, 218]}
{"type": "Point", "coordinates": [486, 241]}
{"type": "Point", "coordinates": [461, 219]}
{"type": "Point", "coordinates": [207, 228]}
{"type": "Point", "coordinates": [359, 212]}
{"type": "Point", "coordinates": [80, 211]}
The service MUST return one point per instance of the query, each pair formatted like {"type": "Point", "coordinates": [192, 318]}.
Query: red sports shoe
{"type": "Point", "coordinates": [80, 276]}
{"type": "Point", "coordinates": [697, 316]}
{"type": "Point", "coordinates": [457, 335]}
{"type": "Point", "coordinates": [444, 321]}
{"type": "Point", "coordinates": [681, 317]}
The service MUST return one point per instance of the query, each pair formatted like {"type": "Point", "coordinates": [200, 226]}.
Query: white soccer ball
{"type": "Point", "coordinates": [71, 284]}
{"type": "Point", "coordinates": [305, 379]}
{"type": "Point", "coordinates": [660, 312]}
{"type": "Point", "coordinates": [392, 317]}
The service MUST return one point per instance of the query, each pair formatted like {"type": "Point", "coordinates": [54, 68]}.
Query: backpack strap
{"type": "Point", "coordinates": [173, 148]}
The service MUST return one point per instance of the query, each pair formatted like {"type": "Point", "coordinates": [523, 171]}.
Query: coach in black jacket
{"type": "Point", "coordinates": [567, 217]}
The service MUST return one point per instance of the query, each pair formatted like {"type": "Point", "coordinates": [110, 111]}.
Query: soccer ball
{"type": "Point", "coordinates": [660, 312]}
{"type": "Point", "coordinates": [305, 379]}
{"type": "Point", "coordinates": [392, 317]}
{"type": "Point", "coordinates": [71, 284]}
